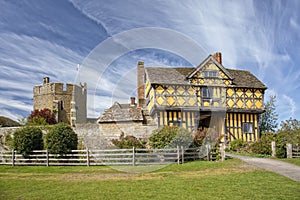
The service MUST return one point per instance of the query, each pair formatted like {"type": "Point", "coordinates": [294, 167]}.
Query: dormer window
{"type": "Point", "coordinates": [210, 74]}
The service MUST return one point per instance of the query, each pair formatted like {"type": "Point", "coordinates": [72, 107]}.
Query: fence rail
{"type": "Point", "coordinates": [107, 157]}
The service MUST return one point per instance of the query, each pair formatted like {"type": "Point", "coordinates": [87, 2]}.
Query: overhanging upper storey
{"type": "Point", "coordinates": [209, 86]}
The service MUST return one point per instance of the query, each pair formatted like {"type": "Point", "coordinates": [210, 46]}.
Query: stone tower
{"type": "Point", "coordinates": [68, 104]}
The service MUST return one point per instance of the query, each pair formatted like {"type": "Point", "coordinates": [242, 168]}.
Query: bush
{"type": "Point", "coordinates": [263, 145]}
{"type": "Point", "coordinates": [61, 139]}
{"type": "Point", "coordinates": [170, 137]}
{"type": "Point", "coordinates": [27, 139]}
{"type": "Point", "coordinates": [237, 145]}
{"type": "Point", "coordinates": [36, 115]}
{"type": "Point", "coordinates": [128, 142]}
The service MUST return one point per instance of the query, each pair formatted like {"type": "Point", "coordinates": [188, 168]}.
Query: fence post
{"type": "Point", "coordinates": [289, 151]}
{"type": "Point", "coordinates": [182, 155]}
{"type": "Point", "coordinates": [47, 158]}
{"type": "Point", "coordinates": [178, 155]}
{"type": "Point", "coordinates": [13, 157]}
{"type": "Point", "coordinates": [222, 149]}
{"type": "Point", "coordinates": [273, 145]}
{"type": "Point", "coordinates": [87, 157]}
{"type": "Point", "coordinates": [133, 156]}
{"type": "Point", "coordinates": [207, 152]}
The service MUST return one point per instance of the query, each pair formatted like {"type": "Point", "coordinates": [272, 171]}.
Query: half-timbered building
{"type": "Point", "coordinates": [209, 95]}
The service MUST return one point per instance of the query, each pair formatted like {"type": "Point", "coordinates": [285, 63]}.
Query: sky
{"type": "Point", "coordinates": [100, 42]}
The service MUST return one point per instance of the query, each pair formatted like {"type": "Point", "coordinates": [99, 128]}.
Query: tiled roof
{"type": "Point", "coordinates": [241, 78]}
{"type": "Point", "coordinates": [121, 113]}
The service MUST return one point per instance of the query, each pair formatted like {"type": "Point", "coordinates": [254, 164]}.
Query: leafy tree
{"type": "Point", "coordinates": [27, 139]}
{"type": "Point", "coordinates": [34, 117]}
{"type": "Point", "coordinates": [61, 139]}
{"type": "Point", "coordinates": [129, 141]}
{"type": "Point", "coordinates": [290, 125]}
{"type": "Point", "coordinates": [268, 120]}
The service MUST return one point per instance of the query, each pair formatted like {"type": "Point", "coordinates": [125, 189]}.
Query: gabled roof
{"type": "Point", "coordinates": [240, 78]}
{"type": "Point", "coordinates": [121, 113]}
{"type": "Point", "coordinates": [204, 62]}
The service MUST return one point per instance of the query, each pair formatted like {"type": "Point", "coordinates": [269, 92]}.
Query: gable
{"type": "Point", "coordinates": [208, 68]}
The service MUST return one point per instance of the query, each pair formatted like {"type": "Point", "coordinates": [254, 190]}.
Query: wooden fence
{"type": "Point", "coordinates": [108, 157]}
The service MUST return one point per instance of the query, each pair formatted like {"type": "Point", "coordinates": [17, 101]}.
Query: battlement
{"type": "Point", "coordinates": [53, 88]}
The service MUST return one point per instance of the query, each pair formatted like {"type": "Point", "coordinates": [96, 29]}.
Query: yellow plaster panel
{"type": "Point", "coordinates": [249, 104]}
{"type": "Point", "coordinates": [230, 103]}
{"type": "Point", "coordinates": [191, 102]}
{"type": "Point", "coordinates": [191, 91]}
{"type": "Point", "coordinates": [181, 101]}
{"type": "Point", "coordinates": [240, 103]}
{"type": "Point", "coordinates": [230, 92]}
{"type": "Point", "coordinates": [180, 90]}
{"type": "Point", "coordinates": [239, 93]}
{"type": "Point", "coordinates": [170, 90]}
{"type": "Point", "coordinates": [160, 101]}
{"type": "Point", "coordinates": [171, 101]}
{"type": "Point", "coordinates": [258, 104]}
{"type": "Point", "coordinates": [248, 93]}
{"type": "Point", "coordinates": [160, 90]}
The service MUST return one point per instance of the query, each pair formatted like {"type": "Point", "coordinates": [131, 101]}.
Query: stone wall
{"type": "Point", "coordinates": [97, 136]}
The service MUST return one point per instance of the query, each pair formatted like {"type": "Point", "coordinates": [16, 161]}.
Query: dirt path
{"type": "Point", "coordinates": [289, 170]}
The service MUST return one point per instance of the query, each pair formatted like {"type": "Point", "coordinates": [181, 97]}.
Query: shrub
{"type": "Point", "coordinates": [237, 145]}
{"type": "Point", "coordinates": [27, 139]}
{"type": "Point", "coordinates": [61, 139]}
{"type": "Point", "coordinates": [170, 137]}
{"type": "Point", "coordinates": [263, 145]}
{"type": "Point", "coordinates": [36, 115]}
{"type": "Point", "coordinates": [128, 142]}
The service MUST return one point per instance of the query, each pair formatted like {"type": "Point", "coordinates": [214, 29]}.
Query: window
{"type": "Point", "coordinates": [206, 93]}
{"type": "Point", "coordinates": [211, 73]}
{"type": "Point", "coordinates": [247, 127]}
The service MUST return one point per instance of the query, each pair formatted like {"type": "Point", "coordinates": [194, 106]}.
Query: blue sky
{"type": "Point", "coordinates": [50, 37]}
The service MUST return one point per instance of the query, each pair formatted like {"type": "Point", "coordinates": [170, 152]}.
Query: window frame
{"type": "Point", "coordinates": [248, 127]}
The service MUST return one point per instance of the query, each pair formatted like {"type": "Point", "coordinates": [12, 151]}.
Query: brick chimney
{"type": "Point", "coordinates": [140, 84]}
{"type": "Point", "coordinates": [218, 57]}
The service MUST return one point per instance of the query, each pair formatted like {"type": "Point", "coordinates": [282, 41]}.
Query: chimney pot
{"type": "Point", "coordinates": [46, 80]}
{"type": "Point", "coordinates": [132, 101]}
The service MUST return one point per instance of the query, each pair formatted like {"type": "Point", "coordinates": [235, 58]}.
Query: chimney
{"type": "Point", "coordinates": [46, 80]}
{"type": "Point", "coordinates": [140, 84]}
{"type": "Point", "coordinates": [218, 57]}
{"type": "Point", "coordinates": [132, 101]}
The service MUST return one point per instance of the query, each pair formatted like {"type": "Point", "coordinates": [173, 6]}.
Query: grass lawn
{"type": "Point", "coordinates": [295, 161]}
{"type": "Point", "coordinates": [231, 179]}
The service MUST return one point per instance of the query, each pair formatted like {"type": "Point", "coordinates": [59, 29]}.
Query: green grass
{"type": "Point", "coordinates": [295, 161]}
{"type": "Point", "coordinates": [231, 179]}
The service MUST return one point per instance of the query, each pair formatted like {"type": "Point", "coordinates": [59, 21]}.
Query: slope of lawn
{"type": "Point", "coordinates": [231, 179]}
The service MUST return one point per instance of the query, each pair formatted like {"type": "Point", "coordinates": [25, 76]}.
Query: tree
{"type": "Point", "coordinates": [27, 139]}
{"type": "Point", "coordinates": [61, 139]}
{"type": "Point", "coordinates": [290, 125]}
{"type": "Point", "coordinates": [36, 115]}
{"type": "Point", "coordinates": [268, 120]}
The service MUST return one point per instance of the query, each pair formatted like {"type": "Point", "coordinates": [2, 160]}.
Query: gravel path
{"type": "Point", "coordinates": [286, 169]}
